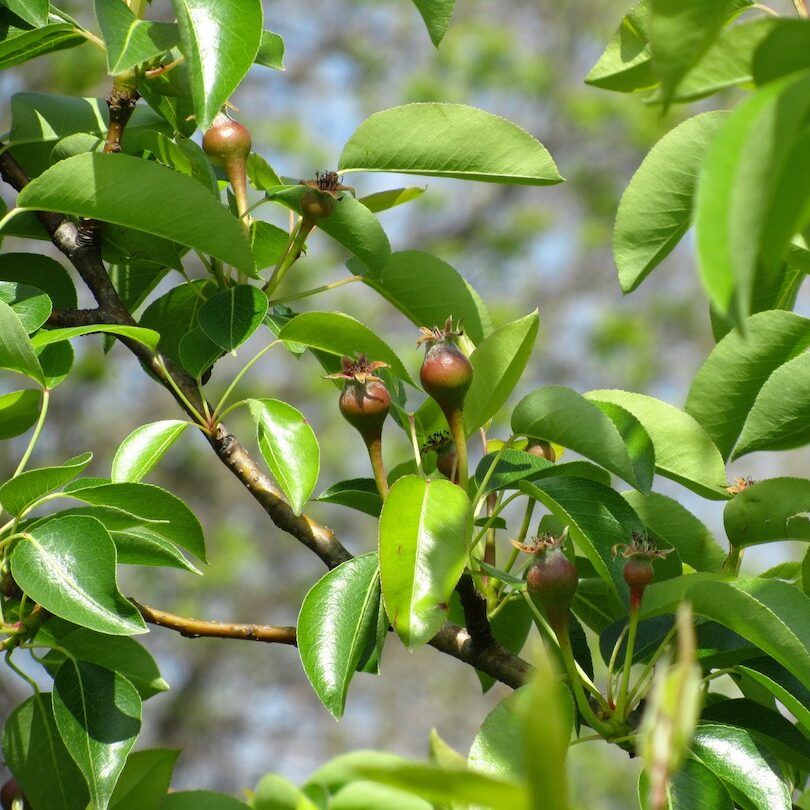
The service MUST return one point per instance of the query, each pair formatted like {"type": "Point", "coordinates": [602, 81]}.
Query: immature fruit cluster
{"type": "Point", "coordinates": [552, 580]}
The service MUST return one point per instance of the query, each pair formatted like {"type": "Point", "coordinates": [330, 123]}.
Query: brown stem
{"type": "Point", "coordinates": [75, 317]}
{"type": "Point", "coordinates": [197, 628]}
{"type": "Point", "coordinates": [475, 614]}
{"type": "Point", "coordinates": [121, 103]}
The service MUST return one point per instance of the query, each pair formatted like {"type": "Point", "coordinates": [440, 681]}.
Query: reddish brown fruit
{"type": "Point", "coordinates": [446, 375]}
{"type": "Point", "coordinates": [638, 570]}
{"type": "Point", "coordinates": [365, 406]}
{"type": "Point", "coordinates": [447, 462]}
{"type": "Point", "coordinates": [541, 449]}
{"type": "Point", "coordinates": [226, 141]}
{"type": "Point", "coordinates": [552, 581]}
{"type": "Point", "coordinates": [9, 792]}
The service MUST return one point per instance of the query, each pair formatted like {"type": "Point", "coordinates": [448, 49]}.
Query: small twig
{"type": "Point", "coordinates": [475, 614]}
{"type": "Point", "coordinates": [75, 317]}
{"type": "Point", "coordinates": [199, 628]}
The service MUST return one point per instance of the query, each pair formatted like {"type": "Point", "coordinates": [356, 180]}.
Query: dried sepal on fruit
{"type": "Point", "coordinates": [442, 444]}
{"type": "Point", "coordinates": [323, 193]}
{"type": "Point", "coordinates": [638, 570]}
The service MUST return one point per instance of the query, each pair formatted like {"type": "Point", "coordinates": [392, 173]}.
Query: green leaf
{"type": "Point", "coordinates": [28, 44]}
{"type": "Point", "coordinates": [274, 792]}
{"type": "Point", "coordinates": [693, 787]}
{"type": "Point", "coordinates": [140, 194]}
{"type": "Point", "coordinates": [18, 412]}
{"type": "Point", "coordinates": [133, 282]}
{"type": "Point", "coordinates": [131, 41]}
{"type": "Point", "coordinates": [358, 493]}
{"type": "Point", "coordinates": [780, 416]}
{"type": "Point", "coordinates": [448, 140]}
{"type": "Point", "coordinates": [425, 529]}
{"type": "Point", "coordinates": [723, 392]}
{"type": "Point", "coordinates": [118, 653]}
{"type": "Point", "coordinates": [220, 40]}
{"type": "Point", "coordinates": [656, 207]}
{"type": "Point", "coordinates": [230, 317]}
{"type": "Point", "coordinates": [39, 760]}
{"type": "Point", "coordinates": [42, 272]}
{"type": "Point", "coordinates": [198, 352]}
{"type": "Point", "coordinates": [144, 448]}
{"type": "Point", "coordinates": [271, 51]}
{"type": "Point", "coordinates": [436, 14]}
{"type": "Point", "coordinates": [766, 725]}
{"type": "Point", "coordinates": [746, 768]}
{"type": "Point", "coordinates": [373, 796]}
{"type": "Point", "coordinates": [563, 416]}
{"type": "Point", "coordinates": [267, 243]}
{"type": "Point", "coordinates": [18, 493]}
{"type": "Point", "coordinates": [148, 337]}
{"type": "Point", "coordinates": [681, 31]}
{"type": "Point", "coordinates": [98, 714]}
{"type": "Point", "coordinates": [340, 334]}
{"type": "Point", "coordinates": [390, 198]}
{"type": "Point", "coordinates": [163, 513]}
{"type": "Point", "coordinates": [676, 527]}
{"type": "Point", "coordinates": [56, 361]}
{"type": "Point", "coordinates": [775, 509]}
{"type": "Point", "coordinates": [499, 747]}
{"type": "Point", "coordinates": [684, 451]}
{"type": "Point", "coordinates": [498, 364]}
{"type": "Point", "coordinates": [746, 172]}
{"type": "Point", "coordinates": [786, 688]}
{"type": "Point", "coordinates": [597, 518]}
{"type": "Point", "coordinates": [785, 51]}
{"type": "Point", "coordinates": [16, 351]}
{"type": "Point", "coordinates": [428, 291]}
{"type": "Point", "coordinates": [336, 626]}
{"type": "Point", "coordinates": [260, 173]}
{"type": "Point", "coordinates": [32, 306]}
{"type": "Point", "coordinates": [350, 223]}
{"type": "Point", "coordinates": [145, 780]}
{"type": "Point", "coordinates": [769, 613]}
{"type": "Point", "coordinates": [289, 447]}
{"type": "Point", "coordinates": [625, 65]}
{"type": "Point", "coordinates": [513, 466]}
{"type": "Point", "coordinates": [200, 800]}
{"type": "Point", "coordinates": [68, 566]}
{"type": "Point", "coordinates": [34, 12]}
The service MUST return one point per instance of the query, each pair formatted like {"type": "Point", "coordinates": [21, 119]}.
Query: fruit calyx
{"type": "Point", "coordinates": [553, 579]}
{"type": "Point", "coordinates": [442, 444]}
{"type": "Point", "coordinates": [446, 372]}
{"type": "Point", "coordinates": [364, 401]}
{"type": "Point", "coordinates": [540, 448]}
{"type": "Point", "coordinates": [323, 193]}
{"type": "Point", "coordinates": [638, 570]}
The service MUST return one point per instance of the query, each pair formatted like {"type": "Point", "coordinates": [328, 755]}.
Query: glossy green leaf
{"type": "Point", "coordinates": [131, 41]}
{"type": "Point", "coordinates": [425, 529]}
{"type": "Point", "coordinates": [289, 447]}
{"type": "Point", "coordinates": [148, 337]}
{"type": "Point", "coordinates": [163, 514]}
{"type": "Point", "coordinates": [56, 361]}
{"type": "Point", "coordinates": [220, 40]}
{"type": "Point", "coordinates": [563, 416]}
{"type": "Point", "coordinates": [625, 65]}
{"type": "Point", "coordinates": [693, 787]}
{"type": "Point", "coordinates": [498, 364]}
{"type": "Point", "coordinates": [499, 748]}
{"type": "Point", "coordinates": [42, 272]}
{"type": "Point", "coordinates": [684, 451]}
{"type": "Point", "coordinates": [267, 242]}
{"type": "Point", "coordinates": [512, 467]}
{"type": "Point", "coordinates": [676, 527]}
{"type": "Point", "coordinates": [448, 140]}
{"type": "Point", "coordinates": [784, 51]}
{"type": "Point", "coordinates": [656, 207]}
{"type": "Point", "coordinates": [16, 351]}
{"type": "Point", "coordinates": [436, 14]}
{"type": "Point", "coordinates": [784, 686]}
{"type": "Point", "coordinates": [118, 653]}
{"type": "Point", "coordinates": [745, 171]}
{"type": "Point", "coordinates": [336, 625]}
{"type": "Point", "coordinates": [28, 44]}
{"type": "Point", "coordinates": [133, 282]}
{"type": "Point", "coordinates": [198, 352]}
{"type": "Point", "coordinates": [18, 412]}
{"type": "Point", "coordinates": [34, 751]}
{"type": "Point", "coordinates": [340, 334]}
{"type": "Point", "coordinates": [68, 566]}
{"type": "Point", "coordinates": [384, 200]}
{"type": "Point", "coordinates": [261, 174]}
{"type": "Point", "coordinates": [145, 780]}
{"type": "Point", "coordinates": [780, 416]}
{"type": "Point", "coordinates": [428, 291]}
{"type": "Point", "coordinates": [770, 510]}
{"type": "Point", "coordinates": [98, 714]}
{"type": "Point", "coordinates": [681, 31]}
{"type": "Point", "coordinates": [201, 800]}
{"type": "Point", "coordinates": [140, 194]}
{"type": "Point", "coordinates": [230, 317]}
{"type": "Point", "coordinates": [350, 223]}
{"type": "Point", "coordinates": [746, 768]}
{"type": "Point", "coordinates": [766, 725]}
{"type": "Point", "coordinates": [723, 392]}
{"type": "Point", "coordinates": [144, 448]}
{"type": "Point", "coordinates": [18, 493]}
{"type": "Point", "coordinates": [32, 306]}
{"type": "Point", "coordinates": [34, 12]}
{"type": "Point", "coordinates": [271, 51]}
{"type": "Point", "coordinates": [358, 493]}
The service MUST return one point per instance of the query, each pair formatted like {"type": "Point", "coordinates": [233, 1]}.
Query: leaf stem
{"type": "Point", "coordinates": [417, 456]}
{"type": "Point", "coordinates": [456, 422]}
{"type": "Point", "coordinates": [298, 237]}
{"type": "Point", "coordinates": [374, 448]}
{"type": "Point", "coordinates": [612, 664]}
{"type": "Point", "coordinates": [622, 702]}
{"type": "Point", "coordinates": [201, 422]}
{"type": "Point", "coordinates": [215, 417]}
{"type": "Point", "coordinates": [315, 290]}
{"type": "Point", "coordinates": [46, 395]}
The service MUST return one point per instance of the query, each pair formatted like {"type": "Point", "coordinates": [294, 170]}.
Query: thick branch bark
{"type": "Point", "coordinates": [475, 614]}
{"type": "Point", "coordinates": [81, 247]}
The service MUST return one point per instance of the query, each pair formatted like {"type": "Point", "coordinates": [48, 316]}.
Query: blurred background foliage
{"type": "Point", "coordinates": [239, 710]}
